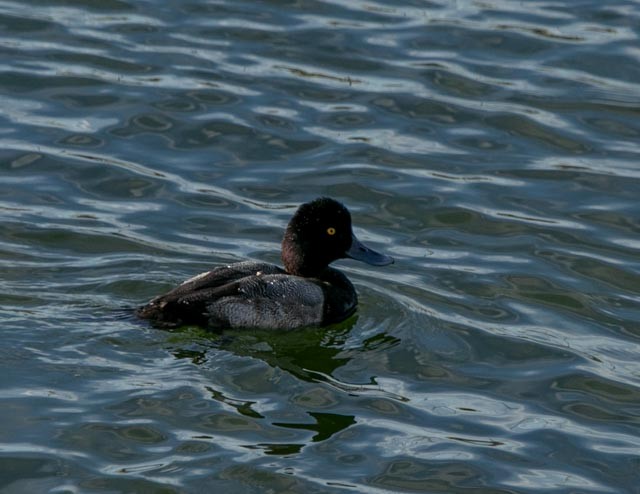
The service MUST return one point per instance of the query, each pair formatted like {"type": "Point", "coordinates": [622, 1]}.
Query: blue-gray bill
{"type": "Point", "coordinates": [361, 252]}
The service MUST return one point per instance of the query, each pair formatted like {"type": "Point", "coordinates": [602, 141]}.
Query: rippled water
{"type": "Point", "coordinates": [490, 147]}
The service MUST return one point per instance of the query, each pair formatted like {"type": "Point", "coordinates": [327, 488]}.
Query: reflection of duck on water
{"type": "Point", "coordinates": [312, 355]}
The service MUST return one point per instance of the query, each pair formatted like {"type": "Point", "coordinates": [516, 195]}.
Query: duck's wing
{"type": "Point", "coordinates": [278, 301]}
{"type": "Point", "coordinates": [223, 275]}
{"type": "Point", "coordinates": [187, 302]}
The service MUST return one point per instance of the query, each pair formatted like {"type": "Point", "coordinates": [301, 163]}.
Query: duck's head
{"type": "Point", "coordinates": [318, 234]}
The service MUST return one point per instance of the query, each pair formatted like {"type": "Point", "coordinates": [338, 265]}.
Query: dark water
{"type": "Point", "coordinates": [491, 147]}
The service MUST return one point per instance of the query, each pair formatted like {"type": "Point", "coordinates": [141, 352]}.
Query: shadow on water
{"type": "Point", "coordinates": [312, 355]}
{"type": "Point", "coordinates": [303, 353]}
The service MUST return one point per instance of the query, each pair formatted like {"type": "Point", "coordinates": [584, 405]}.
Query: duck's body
{"type": "Point", "coordinates": [255, 295]}
{"type": "Point", "coordinates": [264, 296]}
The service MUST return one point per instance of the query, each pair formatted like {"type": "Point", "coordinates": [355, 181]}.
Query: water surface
{"type": "Point", "coordinates": [490, 147]}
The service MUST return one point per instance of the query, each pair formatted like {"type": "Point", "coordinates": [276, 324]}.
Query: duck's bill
{"type": "Point", "coordinates": [361, 252]}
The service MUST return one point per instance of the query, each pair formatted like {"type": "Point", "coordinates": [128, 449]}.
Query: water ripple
{"type": "Point", "coordinates": [490, 148]}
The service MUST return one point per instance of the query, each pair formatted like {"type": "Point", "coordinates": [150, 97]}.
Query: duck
{"type": "Point", "coordinates": [308, 292]}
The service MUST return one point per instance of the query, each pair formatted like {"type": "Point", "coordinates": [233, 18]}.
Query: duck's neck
{"type": "Point", "coordinates": [297, 259]}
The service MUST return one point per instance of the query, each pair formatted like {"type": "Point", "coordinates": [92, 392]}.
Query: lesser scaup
{"type": "Point", "coordinates": [263, 296]}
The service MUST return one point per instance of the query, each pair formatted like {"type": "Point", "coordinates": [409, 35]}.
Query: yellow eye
{"type": "Point", "coordinates": [331, 230]}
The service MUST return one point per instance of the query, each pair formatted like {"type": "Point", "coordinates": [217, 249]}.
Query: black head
{"type": "Point", "coordinates": [318, 234]}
